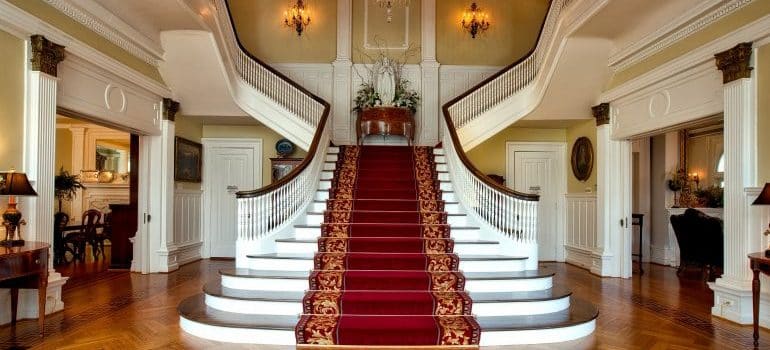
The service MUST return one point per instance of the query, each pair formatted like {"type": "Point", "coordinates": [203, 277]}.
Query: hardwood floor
{"type": "Point", "coordinates": [119, 310]}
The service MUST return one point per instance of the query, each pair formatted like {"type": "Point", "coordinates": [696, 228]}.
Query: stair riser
{"type": "Point", "coordinates": [444, 177]}
{"type": "Point", "coordinates": [238, 335]}
{"type": "Point", "coordinates": [307, 264]}
{"type": "Point", "coordinates": [520, 308]}
{"type": "Point", "coordinates": [315, 232]}
{"type": "Point", "coordinates": [509, 285]}
{"type": "Point", "coordinates": [268, 284]}
{"type": "Point", "coordinates": [441, 167]}
{"type": "Point", "coordinates": [440, 158]}
{"type": "Point", "coordinates": [319, 207]}
{"type": "Point", "coordinates": [317, 219]}
{"type": "Point", "coordinates": [333, 150]}
{"type": "Point", "coordinates": [329, 166]}
{"type": "Point", "coordinates": [331, 157]}
{"type": "Point", "coordinates": [460, 248]}
{"type": "Point", "coordinates": [438, 151]}
{"type": "Point", "coordinates": [327, 175]}
{"type": "Point", "coordinates": [324, 185]}
{"type": "Point", "coordinates": [449, 196]}
{"type": "Point", "coordinates": [323, 195]}
{"type": "Point", "coordinates": [537, 336]}
{"type": "Point", "coordinates": [254, 307]}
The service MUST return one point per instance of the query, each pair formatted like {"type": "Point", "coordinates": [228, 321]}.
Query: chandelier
{"type": "Point", "coordinates": [389, 4]}
{"type": "Point", "coordinates": [475, 20]}
{"type": "Point", "coordinates": [297, 17]}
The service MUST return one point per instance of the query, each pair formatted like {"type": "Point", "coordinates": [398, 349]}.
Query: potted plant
{"type": "Point", "coordinates": [66, 186]}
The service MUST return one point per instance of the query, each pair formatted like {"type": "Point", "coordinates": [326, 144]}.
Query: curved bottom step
{"type": "Point", "coordinates": [202, 321]}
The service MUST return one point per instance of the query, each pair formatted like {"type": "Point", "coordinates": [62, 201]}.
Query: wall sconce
{"type": "Point", "coordinates": [388, 5]}
{"type": "Point", "coordinates": [297, 17]}
{"type": "Point", "coordinates": [475, 20]}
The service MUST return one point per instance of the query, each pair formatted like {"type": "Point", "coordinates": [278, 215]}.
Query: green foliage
{"type": "Point", "coordinates": [367, 97]}
{"type": "Point", "coordinates": [712, 197]}
{"type": "Point", "coordinates": [66, 185]}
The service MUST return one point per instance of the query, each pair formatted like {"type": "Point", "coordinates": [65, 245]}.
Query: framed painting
{"type": "Point", "coordinates": [188, 160]}
{"type": "Point", "coordinates": [582, 158]}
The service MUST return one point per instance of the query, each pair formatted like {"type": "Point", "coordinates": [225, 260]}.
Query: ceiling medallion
{"type": "Point", "coordinates": [389, 4]}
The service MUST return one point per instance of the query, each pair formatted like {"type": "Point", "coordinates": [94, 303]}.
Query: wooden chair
{"type": "Point", "coordinates": [97, 242]}
{"type": "Point", "coordinates": [76, 241]}
{"type": "Point", "coordinates": [60, 221]}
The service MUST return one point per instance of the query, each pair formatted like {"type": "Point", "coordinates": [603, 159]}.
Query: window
{"type": "Point", "coordinates": [721, 170]}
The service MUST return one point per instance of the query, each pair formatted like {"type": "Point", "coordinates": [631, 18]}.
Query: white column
{"type": "Point", "coordinates": [343, 74]}
{"type": "Point", "coordinates": [166, 247]}
{"type": "Point", "coordinates": [78, 138]}
{"type": "Point", "coordinates": [613, 200]}
{"type": "Point", "coordinates": [430, 110]}
{"type": "Point", "coordinates": [39, 164]}
{"type": "Point", "coordinates": [732, 292]}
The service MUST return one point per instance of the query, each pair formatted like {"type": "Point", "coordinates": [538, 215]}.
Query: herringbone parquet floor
{"type": "Point", "coordinates": [118, 310]}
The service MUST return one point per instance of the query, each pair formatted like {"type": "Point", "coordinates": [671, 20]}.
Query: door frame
{"type": "Point", "coordinates": [209, 143]}
{"type": "Point", "coordinates": [560, 148]}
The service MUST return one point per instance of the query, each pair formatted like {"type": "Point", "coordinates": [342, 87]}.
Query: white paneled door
{"type": "Point", "coordinates": [230, 168]}
{"type": "Point", "coordinates": [536, 172]}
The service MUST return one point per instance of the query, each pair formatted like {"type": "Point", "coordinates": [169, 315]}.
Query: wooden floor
{"type": "Point", "coordinates": [119, 310]}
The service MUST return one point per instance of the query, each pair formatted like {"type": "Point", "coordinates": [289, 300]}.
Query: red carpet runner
{"type": "Point", "coordinates": [385, 274]}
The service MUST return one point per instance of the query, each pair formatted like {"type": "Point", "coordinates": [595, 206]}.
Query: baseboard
{"type": "Point", "coordinates": [580, 257]}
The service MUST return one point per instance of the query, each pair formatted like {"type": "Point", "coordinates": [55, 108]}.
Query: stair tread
{"type": "Point", "coordinates": [389, 200]}
{"type": "Point", "coordinates": [315, 240]}
{"type": "Point", "coordinates": [365, 223]}
{"type": "Point", "coordinates": [303, 275]}
{"type": "Point", "coordinates": [214, 288]}
{"type": "Point", "coordinates": [194, 309]}
{"type": "Point", "coordinates": [578, 313]}
{"type": "Point", "coordinates": [307, 256]}
{"type": "Point", "coordinates": [386, 211]}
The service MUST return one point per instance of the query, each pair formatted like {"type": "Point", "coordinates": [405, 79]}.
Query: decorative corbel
{"type": "Point", "coordinates": [46, 55]}
{"type": "Point", "coordinates": [170, 108]}
{"type": "Point", "coordinates": [602, 113]}
{"type": "Point", "coordinates": [734, 63]}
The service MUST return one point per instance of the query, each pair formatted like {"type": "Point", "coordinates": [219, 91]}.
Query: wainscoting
{"type": "Point", "coordinates": [580, 242]}
{"type": "Point", "coordinates": [187, 225]}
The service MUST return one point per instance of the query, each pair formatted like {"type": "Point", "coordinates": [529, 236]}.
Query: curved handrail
{"type": "Point", "coordinates": [506, 82]}
{"type": "Point", "coordinates": [257, 79]}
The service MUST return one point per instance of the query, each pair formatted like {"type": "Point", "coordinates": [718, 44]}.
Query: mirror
{"type": "Point", "coordinates": [704, 150]}
{"type": "Point", "coordinates": [112, 158]}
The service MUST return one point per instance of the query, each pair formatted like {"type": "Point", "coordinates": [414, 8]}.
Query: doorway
{"type": "Point", "coordinates": [540, 168]}
{"type": "Point", "coordinates": [229, 166]}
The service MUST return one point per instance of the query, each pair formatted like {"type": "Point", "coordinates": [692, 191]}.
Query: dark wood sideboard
{"type": "Point", "coordinates": [124, 225]}
{"type": "Point", "coordinates": [25, 267]}
{"type": "Point", "coordinates": [385, 121]}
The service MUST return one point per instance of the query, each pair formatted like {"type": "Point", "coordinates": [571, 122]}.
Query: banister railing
{"type": "Point", "coordinates": [512, 213]}
{"type": "Point", "coordinates": [263, 211]}
{"type": "Point", "coordinates": [511, 79]}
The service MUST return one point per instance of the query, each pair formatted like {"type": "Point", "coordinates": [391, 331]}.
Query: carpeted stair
{"type": "Point", "coordinates": [385, 272]}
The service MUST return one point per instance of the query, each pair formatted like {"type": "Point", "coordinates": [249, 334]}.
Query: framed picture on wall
{"type": "Point", "coordinates": [582, 158]}
{"type": "Point", "coordinates": [188, 160]}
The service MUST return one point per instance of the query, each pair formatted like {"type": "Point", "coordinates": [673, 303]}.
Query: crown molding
{"type": "Point", "coordinates": [102, 22]}
{"type": "Point", "coordinates": [691, 22]}
{"type": "Point", "coordinates": [23, 25]}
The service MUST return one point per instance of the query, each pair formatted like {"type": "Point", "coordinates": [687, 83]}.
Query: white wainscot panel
{"type": "Point", "coordinates": [684, 97]}
{"type": "Point", "coordinates": [455, 80]}
{"type": "Point", "coordinates": [187, 224]}
{"type": "Point", "coordinates": [92, 91]}
{"type": "Point", "coordinates": [580, 241]}
{"type": "Point", "coordinates": [316, 78]}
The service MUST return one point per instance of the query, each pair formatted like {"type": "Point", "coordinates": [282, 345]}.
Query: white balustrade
{"type": "Point", "coordinates": [514, 216]}
{"type": "Point", "coordinates": [513, 80]}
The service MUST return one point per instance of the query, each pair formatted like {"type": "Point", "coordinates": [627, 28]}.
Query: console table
{"type": "Point", "coordinates": [385, 121]}
{"type": "Point", "coordinates": [25, 267]}
{"type": "Point", "coordinates": [759, 263]}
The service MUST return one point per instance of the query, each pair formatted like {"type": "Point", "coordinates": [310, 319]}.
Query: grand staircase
{"type": "Point", "coordinates": [385, 255]}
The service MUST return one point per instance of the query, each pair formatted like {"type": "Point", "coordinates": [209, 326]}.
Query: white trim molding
{"type": "Point", "coordinates": [115, 31]}
{"type": "Point", "coordinates": [686, 25]}
{"type": "Point", "coordinates": [580, 242]}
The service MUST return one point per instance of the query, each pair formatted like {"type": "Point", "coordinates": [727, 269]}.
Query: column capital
{"type": "Point", "coordinates": [170, 108]}
{"type": "Point", "coordinates": [46, 55]}
{"type": "Point", "coordinates": [602, 113]}
{"type": "Point", "coordinates": [734, 63]}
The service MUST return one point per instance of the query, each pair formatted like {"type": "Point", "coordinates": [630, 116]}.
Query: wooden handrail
{"type": "Point", "coordinates": [316, 137]}
{"type": "Point", "coordinates": [453, 132]}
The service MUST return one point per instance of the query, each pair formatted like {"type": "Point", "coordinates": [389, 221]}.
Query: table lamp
{"type": "Point", "coordinates": [13, 184]}
{"type": "Point", "coordinates": [764, 199]}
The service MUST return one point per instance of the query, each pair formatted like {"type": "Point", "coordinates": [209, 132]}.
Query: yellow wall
{"type": "Point", "coordinates": [57, 19]}
{"type": "Point", "coordinates": [63, 156]}
{"type": "Point", "coordinates": [749, 13]}
{"type": "Point", "coordinates": [261, 30]}
{"type": "Point", "coordinates": [762, 67]}
{"type": "Point", "coordinates": [188, 128]}
{"type": "Point", "coordinates": [489, 157]}
{"type": "Point", "coordinates": [513, 32]}
{"type": "Point", "coordinates": [268, 136]}
{"type": "Point", "coordinates": [390, 33]}
{"type": "Point", "coordinates": [587, 129]}
{"type": "Point", "coordinates": [11, 101]}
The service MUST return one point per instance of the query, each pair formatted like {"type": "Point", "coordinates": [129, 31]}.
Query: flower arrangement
{"type": "Point", "coordinates": [384, 84]}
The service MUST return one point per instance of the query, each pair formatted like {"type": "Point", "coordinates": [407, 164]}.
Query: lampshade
{"type": "Point", "coordinates": [764, 197]}
{"type": "Point", "coordinates": [15, 184]}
